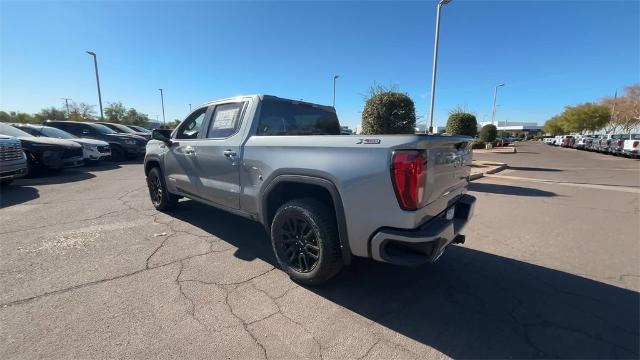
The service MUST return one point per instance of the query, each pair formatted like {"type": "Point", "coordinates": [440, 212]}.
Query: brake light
{"type": "Point", "coordinates": [408, 173]}
{"type": "Point", "coordinates": [619, 143]}
{"type": "Point", "coordinates": [635, 143]}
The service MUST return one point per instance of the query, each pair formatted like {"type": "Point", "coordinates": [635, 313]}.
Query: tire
{"type": "Point", "coordinates": [301, 230]}
{"type": "Point", "coordinates": [161, 198]}
{"type": "Point", "coordinates": [118, 154]}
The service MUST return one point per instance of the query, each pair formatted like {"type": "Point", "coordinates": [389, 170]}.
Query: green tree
{"type": "Point", "coordinates": [388, 112]}
{"type": "Point", "coordinates": [461, 122]}
{"type": "Point", "coordinates": [5, 117]}
{"type": "Point", "coordinates": [81, 111]}
{"type": "Point", "coordinates": [133, 117]}
{"type": "Point", "coordinates": [553, 126]}
{"type": "Point", "coordinates": [115, 112]}
{"type": "Point", "coordinates": [584, 117]}
{"type": "Point", "coordinates": [51, 113]}
{"type": "Point", "coordinates": [488, 133]}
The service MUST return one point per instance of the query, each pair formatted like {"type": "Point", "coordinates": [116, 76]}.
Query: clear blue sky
{"type": "Point", "coordinates": [549, 53]}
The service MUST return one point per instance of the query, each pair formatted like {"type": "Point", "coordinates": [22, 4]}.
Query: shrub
{"type": "Point", "coordinates": [462, 123]}
{"type": "Point", "coordinates": [478, 145]}
{"type": "Point", "coordinates": [388, 112]}
{"type": "Point", "coordinates": [488, 133]}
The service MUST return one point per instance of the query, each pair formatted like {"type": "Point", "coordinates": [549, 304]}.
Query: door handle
{"type": "Point", "coordinates": [189, 150]}
{"type": "Point", "coordinates": [230, 153]}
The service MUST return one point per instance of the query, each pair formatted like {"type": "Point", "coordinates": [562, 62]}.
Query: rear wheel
{"type": "Point", "coordinates": [304, 237]}
{"type": "Point", "coordinates": [161, 198]}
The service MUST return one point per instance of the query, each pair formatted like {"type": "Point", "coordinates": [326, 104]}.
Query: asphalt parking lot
{"type": "Point", "coordinates": [551, 268]}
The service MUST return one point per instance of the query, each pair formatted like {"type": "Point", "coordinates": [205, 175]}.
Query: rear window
{"type": "Point", "coordinates": [278, 117]}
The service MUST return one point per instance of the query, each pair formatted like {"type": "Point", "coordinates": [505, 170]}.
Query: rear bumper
{"type": "Point", "coordinates": [425, 243]}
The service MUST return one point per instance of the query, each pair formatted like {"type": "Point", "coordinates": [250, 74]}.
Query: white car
{"type": "Point", "coordinates": [92, 150]}
{"type": "Point", "coordinates": [631, 146]}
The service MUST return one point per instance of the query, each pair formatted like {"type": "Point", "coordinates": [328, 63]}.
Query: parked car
{"type": "Point", "coordinates": [502, 142]}
{"type": "Point", "coordinates": [616, 145]}
{"type": "Point", "coordinates": [583, 142]}
{"type": "Point", "coordinates": [631, 147]}
{"type": "Point", "coordinates": [122, 146]}
{"type": "Point", "coordinates": [123, 129]}
{"type": "Point", "coordinates": [275, 161]}
{"type": "Point", "coordinates": [567, 141]}
{"type": "Point", "coordinates": [13, 161]}
{"type": "Point", "coordinates": [139, 129]}
{"type": "Point", "coordinates": [603, 144]}
{"type": "Point", "coordinates": [549, 140]}
{"type": "Point", "coordinates": [44, 153]}
{"type": "Point", "coordinates": [558, 140]}
{"type": "Point", "coordinates": [92, 150]}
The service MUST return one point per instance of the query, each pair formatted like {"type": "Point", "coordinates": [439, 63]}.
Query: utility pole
{"type": "Point", "coordinates": [164, 121]}
{"type": "Point", "coordinates": [335, 77]}
{"type": "Point", "coordinates": [441, 3]}
{"type": "Point", "coordinates": [95, 64]}
{"type": "Point", "coordinates": [66, 101]}
{"type": "Point", "coordinates": [189, 107]}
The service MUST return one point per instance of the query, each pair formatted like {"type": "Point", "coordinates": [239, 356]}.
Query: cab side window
{"type": "Point", "coordinates": [190, 128]}
{"type": "Point", "coordinates": [225, 120]}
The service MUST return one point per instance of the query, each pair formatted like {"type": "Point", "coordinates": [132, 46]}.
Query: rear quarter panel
{"type": "Point", "coordinates": [360, 172]}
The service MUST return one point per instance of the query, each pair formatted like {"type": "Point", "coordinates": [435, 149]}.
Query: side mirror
{"type": "Point", "coordinates": [86, 132]}
{"type": "Point", "coordinates": [163, 135]}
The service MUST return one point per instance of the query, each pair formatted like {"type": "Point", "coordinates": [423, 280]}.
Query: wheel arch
{"type": "Point", "coordinates": [286, 187]}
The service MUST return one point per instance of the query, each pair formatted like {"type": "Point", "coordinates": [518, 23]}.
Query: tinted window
{"type": "Point", "coordinates": [279, 117]}
{"type": "Point", "coordinates": [11, 131]}
{"type": "Point", "coordinates": [225, 121]}
{"type": "Point", "coordinates": [56, 133]}
{"type": "Point", "coordinates": [100, 129]}
{"type": "Point", "coordinates": [190, 128]}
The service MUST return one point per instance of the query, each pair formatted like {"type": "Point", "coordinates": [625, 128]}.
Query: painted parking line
{"type": "Point", "coordinates": [629, 189]}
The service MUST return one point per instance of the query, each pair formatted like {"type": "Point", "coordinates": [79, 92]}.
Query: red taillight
{"type": "Point", "coordinates": [620, 142]}
{"type": "Point", "coordinates": [635, 143]}
{"type": "Point", "coordinates": [408, 173]}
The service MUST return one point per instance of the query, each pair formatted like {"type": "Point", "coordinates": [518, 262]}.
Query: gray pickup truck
{"type": "Point", "coordinates": [323, 197]}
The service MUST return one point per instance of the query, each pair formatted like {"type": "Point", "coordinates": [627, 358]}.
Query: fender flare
{"type": "Point", "coordinates": [317, 181]}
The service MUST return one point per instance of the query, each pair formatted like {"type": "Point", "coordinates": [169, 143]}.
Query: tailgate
{"type": "Point", "coordinates": [448, 166]}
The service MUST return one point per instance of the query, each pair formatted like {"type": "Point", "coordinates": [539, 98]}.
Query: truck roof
{"type": "Point", "coordinates": [265, 96]}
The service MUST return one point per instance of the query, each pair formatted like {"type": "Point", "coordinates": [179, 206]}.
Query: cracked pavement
{"type": "Point", "coordinates": [90, 270]}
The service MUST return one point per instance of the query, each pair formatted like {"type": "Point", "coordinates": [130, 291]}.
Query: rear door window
{"type": "Point", "coordinates": [225, 120]}
{"type": "Point", "coordinates": [279, 117]}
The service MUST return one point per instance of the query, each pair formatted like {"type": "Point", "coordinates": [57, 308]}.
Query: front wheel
{"type": "Point", "coordinates": [161, 198]}
{"type": "Point", "coordinates": [304, 237]}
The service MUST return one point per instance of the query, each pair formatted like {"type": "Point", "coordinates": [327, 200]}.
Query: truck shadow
{"type": "Point", "coordinates": [508, 190]}
{"type": "Point", "coordinates": [470, 304]}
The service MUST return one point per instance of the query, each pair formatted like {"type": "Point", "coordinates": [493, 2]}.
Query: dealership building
{"type": "Point", "coordinates": [515, 128]}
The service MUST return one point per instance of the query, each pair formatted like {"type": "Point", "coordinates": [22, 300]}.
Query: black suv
{"type": "Point", "coordinates": [123, 146]}
{"type": "Point", "coordinates": [44, 153]}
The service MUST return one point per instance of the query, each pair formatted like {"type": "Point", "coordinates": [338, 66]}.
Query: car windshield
{"type": "Point", "coordinates": [120, 128]}
{"type": "Point", "coordinates": [56, 133]}
{"type": "Point", "coordinates": [103, 129]}
{"type": "Point", "coordinates": [138, 128]}
{"type": "Point", "coordinates": [6, 129]}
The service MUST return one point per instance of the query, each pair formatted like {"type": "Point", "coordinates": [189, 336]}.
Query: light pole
{"type": "Point", "coordinates": [335, 77]}
{"type": "Point", "coordinates": [95, 64]}
{"type": "Point", "coordinates": [164, 121]}
{"type": "Point", "coordinates": [66, 101]}
{"type": "Point", "coordinates": [189, 107]}
{"type": "Point", "coordinates": [435, 64]}
{"type": "Point", "coordinates": [495, 96]}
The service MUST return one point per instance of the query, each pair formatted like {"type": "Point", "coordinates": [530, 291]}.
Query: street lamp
{"type": "Point", "coordinates": [435, 63]}
{"type": "Point", "coordinates": [335, 77]}
{"type": "Point", "coordinates": [95, 64]}
{"type": "Point", "coordinates": [164, 121]}
{"type": "Point", "coordinates": [495, 95]}
{"type": "Point", "coordinates": [189, 107]}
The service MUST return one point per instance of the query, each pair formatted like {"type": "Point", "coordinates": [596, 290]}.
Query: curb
{"type": "Point", "coordinates": [500, 167]}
